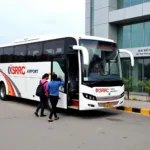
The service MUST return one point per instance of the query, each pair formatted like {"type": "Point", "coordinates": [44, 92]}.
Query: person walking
{"type": "Point", "coordinates": [53, 91]}
{"type": "Point", "coordinates": [43, 99]}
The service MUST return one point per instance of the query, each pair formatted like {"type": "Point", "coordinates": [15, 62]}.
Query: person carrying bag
{"type": "Point", "coordinates": [42, 93]}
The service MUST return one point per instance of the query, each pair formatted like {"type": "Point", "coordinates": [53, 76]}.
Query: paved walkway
{"type": "Point", "coordinates": [137, 104]}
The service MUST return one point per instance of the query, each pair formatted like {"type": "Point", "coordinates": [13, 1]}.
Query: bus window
{"type": "Point", "coordinates": [34, 52]}
{"type": "Point", "coordinates": [59, 50]}
{"type": "Point", "coordinates": [20, 53]}
{"type": "Point", "coordinates": [1, 54]}
{"type": "Point", "coordinates": [48, 51]}
{"type": "Point", "coordinates": [52, 48]}
{"type": "Point", "coordinates": [58, 47]}
{"type": "Point", "coordinates": [8, 54]}
{"type": "Point", "coordinates": [69, 41]}
{"type": "Point", "coordinates": [59, 69]}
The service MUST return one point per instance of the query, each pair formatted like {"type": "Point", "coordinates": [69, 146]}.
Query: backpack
{"type": "Point", "coordinates": [40, 90]}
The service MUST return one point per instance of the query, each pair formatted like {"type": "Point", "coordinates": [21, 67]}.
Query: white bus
{"type": "Point", "coordinates": [89, 65]}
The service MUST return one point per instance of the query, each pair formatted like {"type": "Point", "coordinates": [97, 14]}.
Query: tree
{"type": "Point", "coordinates": [128, 86]}
{"type": "Point", "coordinates": [146, 86]}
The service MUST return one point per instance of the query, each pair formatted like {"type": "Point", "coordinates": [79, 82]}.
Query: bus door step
{"type": "Point", "coordinates": [75, 104]}
{"type": "Point", "coordinates": [73, 107]}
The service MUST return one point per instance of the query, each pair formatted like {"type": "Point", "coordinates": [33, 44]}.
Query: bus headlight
{"type": "Point", "coordinates": [122, 94]}
{"type": "Point", "coordinates": [90, 97]}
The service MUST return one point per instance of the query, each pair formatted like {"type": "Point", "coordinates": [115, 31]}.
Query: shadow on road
{"type": "Point", "coordinates": [74, 113]}
{"type": "Point", "coordinates": [90, 114]}
{"type": "Point", "coordinates": [22, 101]}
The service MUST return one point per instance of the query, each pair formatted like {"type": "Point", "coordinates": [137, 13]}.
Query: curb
{"type": "Point", "coordinates": [141, 111]}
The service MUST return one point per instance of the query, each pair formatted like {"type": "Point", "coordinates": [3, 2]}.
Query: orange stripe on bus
{"type": "Point", "coordinates": [11, 91]}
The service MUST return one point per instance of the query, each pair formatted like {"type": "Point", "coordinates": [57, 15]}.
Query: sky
{"type": "Point", "coordinates": [20, 19]}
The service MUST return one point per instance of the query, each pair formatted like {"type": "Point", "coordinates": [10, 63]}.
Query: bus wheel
{"type": "Point", "coordinates": [49, 105]}
{"type": "Point", "coordinates": [2, 91]}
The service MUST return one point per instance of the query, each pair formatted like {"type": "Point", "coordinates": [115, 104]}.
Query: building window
{"type": "Point", "coordinates": [147, 34]}
{"type": "Point", "coordinates": [134, 35]}
{"type": "Point", "coordinates": [137, 35]}
{"type": "Point", "coordinates": [136, 2]}
{"type": "Point", "coordinates": [140, 72]}
{"type": "Point", "coordinates": [146, 1]}
{"type": "Point", "coordinates": [124, 36]}
{"type": "Point", "coordinates": [120, 36]}
{"type": "Point", "coordinates": [146, 69]}
{"type": "Point", "coordinates": [128, 3]}
{"type": "Point", "coordinates": [137, 74]}
{"type": "Point", "coordinates": [126, 73]}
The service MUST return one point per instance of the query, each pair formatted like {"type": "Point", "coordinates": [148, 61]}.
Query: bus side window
{"type": "Point", "coordinates": [1, 54]}
{"type": "Point", "coordinates": [34, 52]}
{"type": "Point", "coordinates": [51, 48]}
{"type": "Point", "coordinates": [59, 69]}
{"type": "Point", "coordinates": [8, 54]}
{"type": "Point", "coordinates": [48, 51]}
{"type": "Point", "coordinates": [20, 53]}
{"type": "Point", "coordinates": [59, 47]}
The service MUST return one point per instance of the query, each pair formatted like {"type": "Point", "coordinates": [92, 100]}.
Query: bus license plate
{"type": "Point", "coordinates": [108, 104]}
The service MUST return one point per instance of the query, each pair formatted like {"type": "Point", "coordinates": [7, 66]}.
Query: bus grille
{"type": "Point", "coordinates": [110, 98]}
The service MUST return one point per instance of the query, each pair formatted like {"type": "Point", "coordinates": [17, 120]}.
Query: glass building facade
{"type": "Point", "coordinates": [134, 35]}
{"type": "Point", "coordinates": [129, 3]}
{"type": "Point", "coordinates": [140, 72]}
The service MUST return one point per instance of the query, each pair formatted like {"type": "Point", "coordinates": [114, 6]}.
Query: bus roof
{"type": "Point", "coordinates": [46, 38]}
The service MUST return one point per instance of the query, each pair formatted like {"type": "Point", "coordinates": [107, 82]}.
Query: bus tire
{"type": "Point", "coordinates": [2, 91]}
{"type": "Point", "coordinates": [49, 105]}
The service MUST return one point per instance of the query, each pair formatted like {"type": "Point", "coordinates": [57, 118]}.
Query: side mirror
{"type": "Point", "coordinates": [84, 52]}
{"type": "Point", "coordinates": [130, 54]}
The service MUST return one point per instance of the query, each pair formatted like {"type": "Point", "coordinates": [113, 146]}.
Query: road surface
{"type": "Point", "coordinates": [105, 130]}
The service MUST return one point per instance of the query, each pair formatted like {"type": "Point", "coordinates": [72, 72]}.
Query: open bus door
{"type": "Point", "coordinates": [73, 80]}
{"type": "Point", "coordinates": [58, 67]}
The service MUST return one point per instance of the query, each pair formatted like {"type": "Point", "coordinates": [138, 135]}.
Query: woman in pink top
{"type": "Point", "coordinates": [43, 99]}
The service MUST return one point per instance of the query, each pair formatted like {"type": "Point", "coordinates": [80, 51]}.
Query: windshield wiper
{"type": "Point", "coordinates": [91, 83]}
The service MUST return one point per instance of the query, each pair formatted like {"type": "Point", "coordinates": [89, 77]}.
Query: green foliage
{"type": "Point", "coordinates": [146, 85]}
{"type": "Point", "coordinates": [127, 83]}
{"type": "Point", "coordinates": [128, 86]}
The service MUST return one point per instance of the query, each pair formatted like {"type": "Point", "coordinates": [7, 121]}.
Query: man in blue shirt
{"type": "Point", "coordinates": [53, 91]}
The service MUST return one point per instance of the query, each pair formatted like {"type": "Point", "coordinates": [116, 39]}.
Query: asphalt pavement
{"type": "Point", "coordinates": [104, 129]}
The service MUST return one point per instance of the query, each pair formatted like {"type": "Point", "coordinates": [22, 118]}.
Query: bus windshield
{"type": "Point", "coordinates": [104, 63]}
